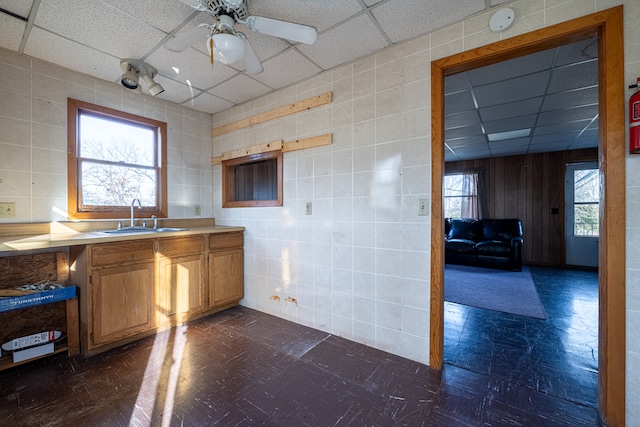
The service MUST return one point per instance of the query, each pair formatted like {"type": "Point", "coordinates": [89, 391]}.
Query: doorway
{"type": "Point", "coordinates": [608, 25]}
{"type": "Point", "coordinates": [582, 201]}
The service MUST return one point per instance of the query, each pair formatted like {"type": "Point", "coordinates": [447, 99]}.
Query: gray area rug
{"type": "Point", "coordinates": [501, 290]}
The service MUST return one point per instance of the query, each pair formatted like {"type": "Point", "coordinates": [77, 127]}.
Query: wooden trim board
{"type": "Point", "coordinates": [296, 107]}
{"type": "Point", "coordinates": [298, 144]}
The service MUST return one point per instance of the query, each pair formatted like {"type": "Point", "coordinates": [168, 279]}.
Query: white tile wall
{"type": "Point", "coordinates": [380, 167]}
{"type": "Point", "coordinates": [357, 267]}
{"type": "Point", "coordinates": [33, 138]}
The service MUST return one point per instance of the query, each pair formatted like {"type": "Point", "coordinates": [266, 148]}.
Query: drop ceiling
{"type": "Point", "coordinates": [552, 93]}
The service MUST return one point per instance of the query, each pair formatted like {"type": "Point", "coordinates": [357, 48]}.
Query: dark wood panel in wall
{"type": "Point", "coordinates": [530, 187]}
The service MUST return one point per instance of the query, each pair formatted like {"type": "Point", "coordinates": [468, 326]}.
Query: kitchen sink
{"type": "Point", "coordinates": [129, 230]}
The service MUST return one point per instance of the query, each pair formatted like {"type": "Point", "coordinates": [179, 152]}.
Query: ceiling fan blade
{"type": "Point", "coordinates": [186, 39]}
{"type": "Point", "coordinates": [252, 65]}
{"type": "Point", "coordinates": [283, 29]}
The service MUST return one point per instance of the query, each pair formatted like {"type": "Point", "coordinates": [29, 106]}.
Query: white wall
{"type": "Point", "coordinates": [359, 266]}
{"type": "Point", "coordinates": [33, 138]}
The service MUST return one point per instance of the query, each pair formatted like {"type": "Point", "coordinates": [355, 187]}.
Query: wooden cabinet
{"type": "Point", "coordinates": [116, 283]}
{"type": "Point", "coordinates": [181, 285]}
{"type": "Point", "coordinates": [135, 288]}
{"type": "Point", "coordinates": [226, 268]}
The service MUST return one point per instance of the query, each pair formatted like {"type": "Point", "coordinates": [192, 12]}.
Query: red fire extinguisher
{"type": "Point", "coordinates": [634, 120]}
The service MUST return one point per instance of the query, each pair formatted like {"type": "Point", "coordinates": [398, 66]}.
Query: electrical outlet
{"type": "Point", "coordinates": [309, 208]}
{"type": "Point", "coordinates": [197, 211]}
{"type": "Point", "coordinates": [422, 207]}
{"type": "Point", "coordinates": [7, 210]}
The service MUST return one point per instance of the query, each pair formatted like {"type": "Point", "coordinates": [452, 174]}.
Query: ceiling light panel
{"type": "Point", "coordinates": [512, 134]}
{"type": "Point", "coordinates": [521, 122]}
{"type": "Point", "coordinates": [402, 19]}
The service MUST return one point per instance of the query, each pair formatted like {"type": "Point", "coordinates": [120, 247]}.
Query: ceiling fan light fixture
{"type": "Point", "coordinates": [229, 48]}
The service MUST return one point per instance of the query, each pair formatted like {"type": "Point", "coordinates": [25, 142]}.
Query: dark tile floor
{"type": "Point", "coordinates": [557, 356]}
{"type": "Point", "coordinates": [244, 368]}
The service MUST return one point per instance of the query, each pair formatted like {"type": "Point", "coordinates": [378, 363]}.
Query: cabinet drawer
{"type": "Point", "coordinates": [225, 240]}
{"type": "Point", "coordinates": [181, 246]}
{"type": "Point", "coordinates": [117, 253]}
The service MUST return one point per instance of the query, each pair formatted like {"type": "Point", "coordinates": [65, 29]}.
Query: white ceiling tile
{"type": "Point", "coordinates": [459, 101]}
{"type": "Point", "coordinates": [497, 2]}
{"type": "Point", "coordinates": [574, 98]}
{"type": "Point", "coordinates": [21, 8]}
{"type": "Point", "coordinates": [190, 67]}
{"type": "Point", "coordinates": [461, 119]}
{"type": "Point", "coordinates": [209, 103]}
{"type": "Point", "coordinates": [175, 91]}
{"type": "Point", "coordinates": [73, 56]}
{"type": "Point", "coordinates": [463, 131]}
{"type": "Point", "coordinates": [567, 115]}
{"type": "Point", "coordinates": [239, 89]}
{"type": "Point", "coordinates": [512, 109]}
{"type": "Point", "coordinates": [12, 31]}
{"type": "Point", "coordinates": [406, 19]}
{"type": "Point", "coordinates": [330, 49]}
{"type": "Point", "coordinates": [574, 76]}
{"type": "Point", "coordinates": [512, 68]}
{"type": "Point", "coordinates": [285, 69]}
{"type": "Point", "coordinates": [563, 127]}
{"type": "Point", "coordinates": [546, 148]}
{"type": "Point", "coordinates": [165, 15]}
{"type": "Point", "coordinates": [98, 25]}
{"type": "Point", "coordinates": [554, 137]}
{"type": "Point", "coordinates": [468, 140]}
{"type": "Point", "coordinates": [319, 14]}
{"type": "Point", "coordinates": [456, 82]}
{"type": "Point", "coordinates": [578, 52]}
{"type": "Point", "coordinates": [265, 46]}
{"type": "Point", "coordinates": [516, 89]}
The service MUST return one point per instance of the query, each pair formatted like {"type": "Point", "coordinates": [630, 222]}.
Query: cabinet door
{"type": "Point", "coordinates": [226, 276]}
{"type": "Point", "coordinates": [181, 287]}
{"type": "Point", "coordinates": [122, 302]}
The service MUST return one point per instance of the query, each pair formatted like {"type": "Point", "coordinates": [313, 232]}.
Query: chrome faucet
{"type": "Point", "coordinates": [133, 202]}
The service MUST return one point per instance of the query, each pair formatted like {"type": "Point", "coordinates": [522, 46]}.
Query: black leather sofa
{"type": "Point", "coordinates": [494, 243]}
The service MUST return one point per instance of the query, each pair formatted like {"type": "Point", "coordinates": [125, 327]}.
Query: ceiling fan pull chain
{"type": "Point", "coordinates": [211, 51]}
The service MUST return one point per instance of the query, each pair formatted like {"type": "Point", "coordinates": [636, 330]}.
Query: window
{"type": "Point", "coordinates": [113, 158]}
{"type": "Point", "coordinates": [254, 180]}
{"type": "Point", "coordinates": [461, 195]}
{"type": "Point", "coordinates": [586, 202]}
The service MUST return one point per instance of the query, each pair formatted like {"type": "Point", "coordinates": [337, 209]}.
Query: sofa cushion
{"type": "Point", "coordinates": [494, 248]}
{"type": "Point", "coordinates": [460, 246]}
{"type": "Point", "coordinates": [501, 230]}
{"type": "Point", "coordinates": [465, 229]}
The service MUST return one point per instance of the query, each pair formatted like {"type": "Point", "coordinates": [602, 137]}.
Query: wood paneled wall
{"type": "Point", "coordinates": [529, 187]}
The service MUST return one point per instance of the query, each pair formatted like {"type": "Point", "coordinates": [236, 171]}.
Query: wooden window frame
{"type": "Point", "coordinates": [229, 168]}
{"type": "Point", "coordinates": [74, 186]}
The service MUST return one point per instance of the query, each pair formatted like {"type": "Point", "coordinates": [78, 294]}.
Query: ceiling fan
{"type": "Point", "coordinates": [229, 46]}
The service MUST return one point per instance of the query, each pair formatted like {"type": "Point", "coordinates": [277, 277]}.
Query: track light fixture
{"type": "Point", "coordinates": [133, 70]}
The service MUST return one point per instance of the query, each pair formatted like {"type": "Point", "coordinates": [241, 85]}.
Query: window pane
{"type": "Point", "coordinates": [453, 185]}
{"type": "Point", "coordinates": [587, 186]}
{"type": "Point", "coordinates": [452, 207]}
{"type": "Point", "coordinates": [115, 141]}
{"type": "Point", "coordinates": [586, 220]}
{"type": "Point", "coordinates": [110, 185]}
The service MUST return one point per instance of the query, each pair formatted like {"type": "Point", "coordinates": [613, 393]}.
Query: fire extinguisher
{"type": "Point", "coordinates": [634, 120]}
